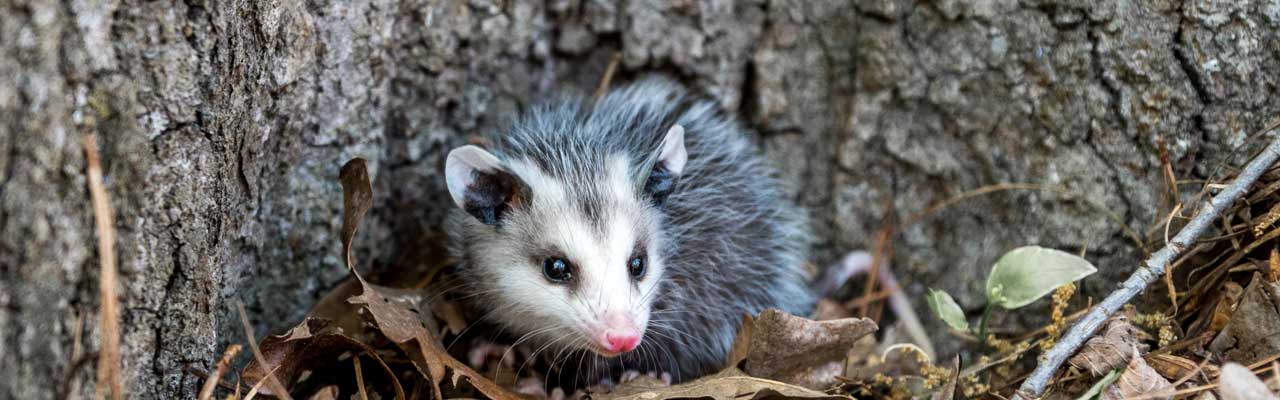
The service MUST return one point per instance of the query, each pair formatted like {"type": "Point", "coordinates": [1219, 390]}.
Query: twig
{"type": "Point", "coordinates": [270, 379]}
{"type": "Point", "coordinates": [359, 377]}
{"type": "Point", "coordinates": [210, 383]}
{"type": "Point", "coordinates": [253, 391]}
{"type": "Point", "coordinates": [1152, 269]}
{"type": "Point", "coordinates": [608, 76]}
{"type": "Point", "coordinates": [109, 358]}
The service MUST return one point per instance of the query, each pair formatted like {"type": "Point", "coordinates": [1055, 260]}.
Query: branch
{"type": "Point", "coordinates": [109, 355]}
{"type": "Point", "coordinates": [1152, 269]}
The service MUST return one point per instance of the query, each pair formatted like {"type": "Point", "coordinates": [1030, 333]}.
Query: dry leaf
{"type": "Point", "coordinates": [357, 197]}
{"type": "Point", "coordinates": [397, 312]}
{"type": "Point", "coordinates": [741, 342]}
{"type": "Point", "coordinates": [1138, 379]}
{"type": "Point", "coordinates": [730, 384]}
{"type": "Point", "coordinates": [1254, 330]}
{"type": "Point", "coordinates": [1112, 349]}
{"type": "Point", "coordinates": [1174, 368]}
{"type": "Point", "coordinates": [792, 349]}
{"type": "Point", "coordinates": [311, 344]}
{"type": "Point", "coordinates": [1226, 306]}
{"type": "Point", "coordinates": [1238, 383]}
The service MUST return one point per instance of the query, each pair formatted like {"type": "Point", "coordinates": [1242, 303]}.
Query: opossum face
{"type": "Point", "coordinates": [569, 256]}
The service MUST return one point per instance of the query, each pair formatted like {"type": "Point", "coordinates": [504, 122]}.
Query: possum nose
{"type": "Point", "coordinates": [621, 341]}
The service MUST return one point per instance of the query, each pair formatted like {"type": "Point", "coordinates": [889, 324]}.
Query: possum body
{"type": "Point", "coordinates": [629, 233]}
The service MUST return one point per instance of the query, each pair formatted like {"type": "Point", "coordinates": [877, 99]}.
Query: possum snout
{"type": "Point", "coordinates": [619, 334]}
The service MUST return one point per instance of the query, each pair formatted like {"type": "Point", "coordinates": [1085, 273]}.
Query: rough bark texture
{"type": "Point", "coordinates": [223, 124]}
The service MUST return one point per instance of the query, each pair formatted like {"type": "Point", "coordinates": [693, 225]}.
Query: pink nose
{"type": "Point", "coordinates": [621, 341]}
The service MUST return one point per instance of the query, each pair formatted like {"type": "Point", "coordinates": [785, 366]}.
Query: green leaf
{"type": "Point", "coordinates": [1097, 388]}
{"type": "Point", "coordinates": [947, 309]}
{"type": "Point", "coordinates": [1028, 273]}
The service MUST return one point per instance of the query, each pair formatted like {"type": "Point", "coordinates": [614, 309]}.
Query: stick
{"type": "Point", "coordinates": [212, 381]}
{"type": "Point", "coordinates": [1151, 270]}
{"type": "Point", "coordinates": [608, 76]}
{"type": "Point", "coordinates": [108, 309]}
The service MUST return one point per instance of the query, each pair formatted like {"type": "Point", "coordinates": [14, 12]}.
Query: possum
{"type": "Point", "coordinates": [628, 233]}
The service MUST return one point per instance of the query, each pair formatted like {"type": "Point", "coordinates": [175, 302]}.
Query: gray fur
{"type": "Point", "coordinates": [729, 242]}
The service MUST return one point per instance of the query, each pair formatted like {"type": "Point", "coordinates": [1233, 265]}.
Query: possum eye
{"type": "Point", "coordinates": [557, 270]}
{"type": "Point", "coordinates": [636, 267]}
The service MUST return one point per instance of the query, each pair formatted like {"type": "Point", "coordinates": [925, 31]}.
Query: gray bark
{"type": "Point", "coordinates": [223, 125]}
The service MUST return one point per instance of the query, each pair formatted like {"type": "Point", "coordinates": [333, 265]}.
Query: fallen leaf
{"type": "Point", "coordinates": [1254, 330]}
{"type": "Point", "coordinates": [308, 346]}
{"type": "Point", "coordinates": [792, 349]}
{"type": "Point", "coordinates": [730, 384]}
{"type": "Point", "coordinates": [1228, 298]}
{"type": "Point", "coordinates": [1112, 349]}
{"type": "Point", "coordinates": [1239, 383]}
{"type": "Point", "coordinates": [1174, 368]}
{"type": "Point", "coordinates": [397, 312]}
{"type": "Point", "coordinates": [741, 343]}
{"type": "Point", "coordinates": [1137, 379]}
{"type": "Point", "coordinates": [357, 197]}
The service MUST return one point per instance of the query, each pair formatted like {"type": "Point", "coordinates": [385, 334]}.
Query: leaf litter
{"type": "Point", "coordinates": [1210, 316]}
{"type": "Point", "coordinates": [400, 332]}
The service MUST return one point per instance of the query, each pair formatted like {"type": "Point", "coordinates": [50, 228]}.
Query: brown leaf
{"type": "Point", "coordinates": [357, 197]}
{"type": "Point", "coordinates": [397, 312]}
{"type": "Point", "coordinates": [729, 384]}
{"type": "Point", "coordinates": [1174, 368]}
{"type": "Point", "coordinates": [1138, 379]}
{"type": "Point", "coordinates": [1254, 330]}
{"type": "Point", "coordinates": [399, 320]}
{"type": "Point", "coordinates": [796, 350]}
{"type": "Point", "coordinates": [1239, 383]}
{"type": "Point", "coordinates": [1226, 306]}
{"type": "Point", "coordinates": [1111, 349]}
{"type": "Point", "coordinates": [741, 342]}
{"type": "Point", "coordinates": [311, 344]}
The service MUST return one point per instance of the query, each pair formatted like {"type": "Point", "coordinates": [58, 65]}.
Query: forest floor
{"type": "Point", "coordinates": [1207, 324]}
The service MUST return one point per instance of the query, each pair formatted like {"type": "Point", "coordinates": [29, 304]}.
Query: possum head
{"type": "Point", "coordinates": [565, 253]}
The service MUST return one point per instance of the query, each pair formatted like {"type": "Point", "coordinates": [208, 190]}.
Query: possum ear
{"type": "Point", "coordinates": [480, 185]}
{"type": "Point", "coordinates": [670, 164]}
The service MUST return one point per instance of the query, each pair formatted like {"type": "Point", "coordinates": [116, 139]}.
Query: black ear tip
{"type": "Point", "coordinates": [660, 184]}
{"type": "Point", "coordinates": [491, 196]}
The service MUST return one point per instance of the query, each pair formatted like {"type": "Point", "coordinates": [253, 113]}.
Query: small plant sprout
{"type": "Point", "coordinates": [1018, 278]}
{"type": "Point", "coordinates": [947, 309]}
{"type": "Point", "coordinates": [1028, 273]}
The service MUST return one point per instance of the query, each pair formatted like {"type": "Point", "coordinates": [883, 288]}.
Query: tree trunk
{"type": "Point", "coordinates": [223, 125]}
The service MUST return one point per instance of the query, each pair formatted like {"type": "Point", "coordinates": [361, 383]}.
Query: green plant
{"type": "Point", "coordinates": [1018, 278]}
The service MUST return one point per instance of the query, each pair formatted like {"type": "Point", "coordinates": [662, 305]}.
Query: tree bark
{"type": "Point", "coordinates": [223, 125]}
